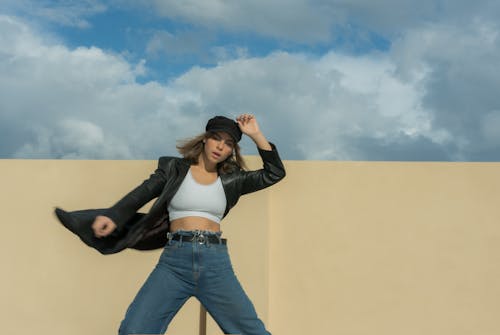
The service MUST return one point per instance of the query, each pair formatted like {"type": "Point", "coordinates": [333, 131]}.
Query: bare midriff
{"type": "Point", "coordinates": [194, 223]}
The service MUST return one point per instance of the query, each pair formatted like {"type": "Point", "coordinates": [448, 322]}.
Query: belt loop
{"type": "Point", "coordinates": [169, 238]}
{"type": "Point", "coordinates": [219, 237]}
{"type": "Point", "coordinates": [180, 240]}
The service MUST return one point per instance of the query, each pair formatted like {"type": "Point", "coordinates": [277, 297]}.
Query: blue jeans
{"type": "Point", "coordinates": [187, 269]}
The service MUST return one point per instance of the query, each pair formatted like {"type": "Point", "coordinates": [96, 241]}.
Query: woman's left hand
{"type": "Point", "coordinates": [248, 124]}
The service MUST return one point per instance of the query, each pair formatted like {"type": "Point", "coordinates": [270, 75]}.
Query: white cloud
{"type": "Point", "coordinates": [461, 67]}
{"type": "Point", "coordinates": [43, 84]}
{"type": "Point", "coordinates": [316, 105]}
{"type": "Point", "coordinates": [72, 13]}
{"type": "Point", "coordinates": [433, 95]}
{"type": "Point", "coordinates": [290, 19]}
{"type": "Point", "coordinates": [313, 21]}
{"type": "Point", "coordinates": [73, 139]}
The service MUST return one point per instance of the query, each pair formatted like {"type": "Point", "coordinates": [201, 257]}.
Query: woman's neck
{"type": "Point", "coordinates": [205, 164]}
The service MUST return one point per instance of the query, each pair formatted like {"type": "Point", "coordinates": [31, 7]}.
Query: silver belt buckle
{"type": "Point", "coordinates": [200, 238]}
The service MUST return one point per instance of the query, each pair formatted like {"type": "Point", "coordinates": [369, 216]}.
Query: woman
{"type": "Point", "coordinates": [194, 194]}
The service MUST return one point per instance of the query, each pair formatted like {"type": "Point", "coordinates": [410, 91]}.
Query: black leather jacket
{"type": "Point", "coordinates": [147, 231]}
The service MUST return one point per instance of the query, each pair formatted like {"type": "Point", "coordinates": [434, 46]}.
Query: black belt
{"type": "Point", "coordinates": [200, 238]}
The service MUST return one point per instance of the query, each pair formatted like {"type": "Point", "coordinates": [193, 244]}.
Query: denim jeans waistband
{"type": "Point", "coordinates": [196, 232]}
{"type": "Point", "coordinates": [196, 236]}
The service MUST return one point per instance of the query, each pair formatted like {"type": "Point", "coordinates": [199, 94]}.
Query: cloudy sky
{"type": "Point", "coordinates": [327, 79]}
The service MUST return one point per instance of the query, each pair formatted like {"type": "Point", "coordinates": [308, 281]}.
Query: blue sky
{"type": "Point", "coordinates": [327, 79]}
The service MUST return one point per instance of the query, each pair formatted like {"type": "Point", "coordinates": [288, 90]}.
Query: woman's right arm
{"type": "Point", "coordinates": [150, 188]}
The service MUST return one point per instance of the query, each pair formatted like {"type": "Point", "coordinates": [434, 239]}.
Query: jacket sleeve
{"type": "Point", "coordinates": [272, 172]}
{"type": "Point", "coordinates": [150, 188]}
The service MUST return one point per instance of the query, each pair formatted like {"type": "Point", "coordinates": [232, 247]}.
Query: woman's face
{"type": "Point", "coordinates": [219, 146]}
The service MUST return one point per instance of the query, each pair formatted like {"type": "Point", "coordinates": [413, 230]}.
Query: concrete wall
{"type": "Point", "coordinates": [386, 248]}
{"type": "Point", "coordinates": [343, 248]}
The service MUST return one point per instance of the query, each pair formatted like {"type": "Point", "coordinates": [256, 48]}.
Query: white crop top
{"type": "Point", "coordinates": [195, 199]}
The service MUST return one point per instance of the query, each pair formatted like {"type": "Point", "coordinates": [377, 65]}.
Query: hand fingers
{"type": "Point", "coordinates": [99, 232]}
{"type": "Point", "coordinates": [102, 226]}
{"type": "Point", "coordinates": [101, 229]}
{"type": "Point", "coordinates": [244, 118]}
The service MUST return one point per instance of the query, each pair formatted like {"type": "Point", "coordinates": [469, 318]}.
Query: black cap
{"type": "Point", "coordinates": [222, 123]}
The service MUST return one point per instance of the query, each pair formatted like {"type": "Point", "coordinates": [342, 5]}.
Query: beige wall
{"type": "Point", "coordinates": [345, 248]}
{"type": "Point", "coordinates": [386, 248]}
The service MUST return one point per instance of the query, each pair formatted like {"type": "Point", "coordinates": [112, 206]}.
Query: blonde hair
{"type": "Point", "coordinates": [191, 148]}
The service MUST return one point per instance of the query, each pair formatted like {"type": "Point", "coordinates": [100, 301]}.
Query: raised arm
{"type": "Point", "coordinates": [273, 169]}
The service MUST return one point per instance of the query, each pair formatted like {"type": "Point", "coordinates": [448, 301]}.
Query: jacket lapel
{"type": "Point", "coordinates": [177, 170]}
